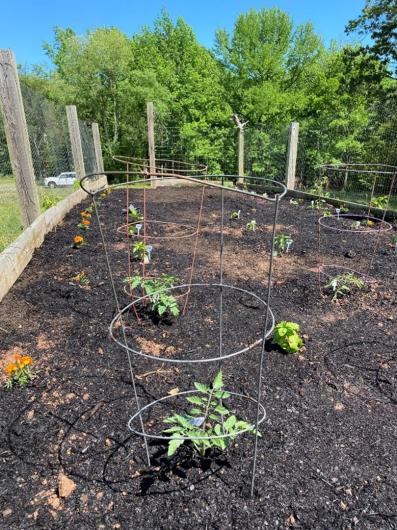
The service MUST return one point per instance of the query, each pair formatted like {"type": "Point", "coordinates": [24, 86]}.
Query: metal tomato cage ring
{"type": "Point", "coordinates": [217, 358]}
{"type": "Point", "coordinates": [191, 231]}
{"type": "Point", "coordinates": [152, 404]}
{"type": "Point", "coordinates": [325, 270]}
{"type": "Point", "coordinates": [264, 190]}
{"type": "Point", "coordinates": [384, 226]}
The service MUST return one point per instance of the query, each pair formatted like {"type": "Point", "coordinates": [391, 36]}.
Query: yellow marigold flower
{"type": "Point", "coordinates": [26, 360]}
{"type": "Point", "coordinates": [77, 240]}
{"type": "Point", "coordinates": [10, 369]}
{"type": "Point", "coordinates": [85, 214]}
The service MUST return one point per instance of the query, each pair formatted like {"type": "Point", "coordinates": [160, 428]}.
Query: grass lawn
{"type": "Point", "coordinates": [10, 217]}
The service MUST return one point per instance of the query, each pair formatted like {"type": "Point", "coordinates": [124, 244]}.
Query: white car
{"type": "Point", "coordinates": [63, 179]}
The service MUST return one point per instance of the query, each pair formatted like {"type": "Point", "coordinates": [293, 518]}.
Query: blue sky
{"type": "Point", "coordinates": [26, 24]}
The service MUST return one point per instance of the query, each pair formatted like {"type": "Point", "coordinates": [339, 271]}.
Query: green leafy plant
{"type": "Point", "coordinates": [296, 201]}
{"type": "Point", "coordinates": [132, 230]}
{"type": "Point", "coordinates": [139, 250]}
{"type": "Point", "coordinates": [251, 225]}
{"type": "Point", "coordinates": [286, 335]}
{"type": "Point", "coordinates": [19, 372]}
{"type": "Point", "coordinates": [81, 278]}
{"type": "Point", "coordinates": [394, 239]}
{"type": "Point", "coordinates": [156, 290]}
{"type": "Point", "coordinates": [48, 201]}
{"type": "Point", "coordinates": [342, 284]}
{"type": "Point", "coordinates": [208, 417]}
{"type": "Point", "coordinates": [235, 215]}
{"type": "Point", "coordinates": [134, 213]}
{"type": "Point", "coordinates": [380, 202]}
{"type": "Point", "coordinates": [281, 242]}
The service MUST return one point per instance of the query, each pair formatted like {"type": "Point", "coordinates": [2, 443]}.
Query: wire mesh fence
{"type": "Point", "coordinates": [357, 166]}
{"type": "Point", "coordinates": [51, 155]}
{"type": "Point", "coordinates": [87, 145]}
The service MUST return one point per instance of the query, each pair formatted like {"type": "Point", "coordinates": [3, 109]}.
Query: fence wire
{"type": "Point", "coordinates": [51, 155]}
{"type": "Point", "coordinates": [48, 135]}
{"type": "Point", "coordinates": [87, 144]}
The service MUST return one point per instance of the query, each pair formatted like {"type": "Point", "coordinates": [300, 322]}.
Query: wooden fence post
{"type": "Point", "coordinates": [17, 138]}
{"type": "Point", "coordinates": [292, 154]}
{"type": "Point", "coordinates": [97, 147]}
{"type": "Point", "coordinates": [75, 140]}
{"type": "Point", "coordinates": [150, 136]}
{"type": "Point", "coordinates": [241, 126]}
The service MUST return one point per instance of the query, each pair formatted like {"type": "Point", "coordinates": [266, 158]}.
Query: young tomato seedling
{"type": "Point", "coordinates": [342, 284]}
{"type": "Point", "coordinates": [156, 290]}
{"type": "Point", "coordinates": [209, 417]}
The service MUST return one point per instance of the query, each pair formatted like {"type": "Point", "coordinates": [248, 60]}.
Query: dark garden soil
{"type": "Point", "coordinates": [327, 457]}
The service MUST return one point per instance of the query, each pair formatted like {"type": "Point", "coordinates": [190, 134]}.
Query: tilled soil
{"type": "Point", "coordinates": [327, 458]}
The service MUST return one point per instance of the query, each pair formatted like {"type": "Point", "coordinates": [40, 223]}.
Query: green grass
{"type": "Point", "coordinates": [10, 217]}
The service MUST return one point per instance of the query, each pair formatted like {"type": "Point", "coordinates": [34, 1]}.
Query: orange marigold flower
{"type": "Point", "coordinates": [10, 369]}
{"type": "Point", "coordinates": [77, 240]}
{"type": "Point", "coordinates": [85, 222]}
{"type": "Point", "coordinates": [26, 360]}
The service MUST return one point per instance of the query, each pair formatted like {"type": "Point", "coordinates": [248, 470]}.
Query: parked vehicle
{"type": "Point", "coordinates": [63, 179]}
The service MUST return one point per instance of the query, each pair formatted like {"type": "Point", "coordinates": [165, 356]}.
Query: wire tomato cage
{"type": "Point", "coordinates": [198, 297]}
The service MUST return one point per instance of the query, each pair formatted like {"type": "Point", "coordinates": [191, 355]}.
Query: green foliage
{"type": "Point", "coordinates": [139, 251]}
{"type": "Point", "coordinates": [281, 242]}
{"type": "Point", "coordinates": [286, 335]}
{"type": "Point", "coordinates": [208, 417]}
{"type": "Point", "coordinates": [251, 225]}
{"type": "Point", "coordinates": [380, 202]}
{"type": "Point", "coordinates": [394, 239]}
{"type": "Point", "coordinates": [134, 214]}
{"type": "Point", "coordinates": [342, 284]}
{"type": "Point", "coordinates": [235, 215]}
{"type": "Point", "coordinates": [48, 201]}
{"type": "Point", "coordinates": [378, 21]}
{"type": "Point", "coordinates": [156, 290]}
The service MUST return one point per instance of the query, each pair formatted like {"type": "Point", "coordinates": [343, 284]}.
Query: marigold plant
{"type": "Point", "coordinates": [85, 215]}
{"type": "Point", "coordinates": [84, 224]}
{"type": "Point", "coordinates": [78, 241]}
{"type": "Point", "coordinates": [19, 372]}
{"type": "Point", "coordinates": [81, 278]}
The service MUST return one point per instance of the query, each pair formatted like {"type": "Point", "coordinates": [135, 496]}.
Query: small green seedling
{"type": "Point", "coordinates": [251, 225]}
{"type": "Point", "coordinates": [134, 213]}
{"type": "Point", "coordinates": [282, 243]}
{"type": "Point", "coordinates": [296, 201]}
{"type": "Point", "coordinates": [156, 290]}
{"type": "Point", "coordinates": [235, 215]}
{"type": "Point", "coordinates": [342, 284]}
{"type": "Point", "coordinates": [286, 335]}
{"type": "Point", "coordinates": [209, 417]}
{"type": "Point", "coordinates": [140, 251]}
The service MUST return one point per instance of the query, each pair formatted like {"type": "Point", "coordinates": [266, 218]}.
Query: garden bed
{"type": "Point", "coordinates": [328, 452]}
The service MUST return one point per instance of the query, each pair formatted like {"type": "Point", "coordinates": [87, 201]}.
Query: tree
{"type": "Point", "coordinates": [378, 21]}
